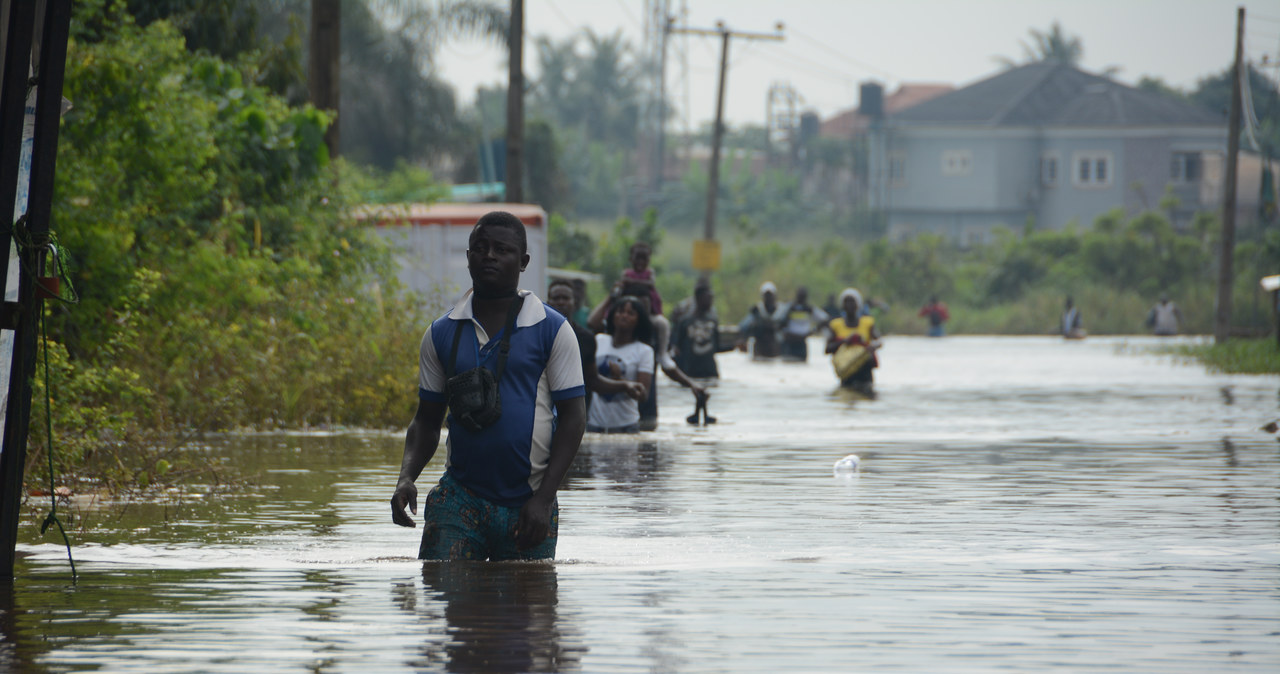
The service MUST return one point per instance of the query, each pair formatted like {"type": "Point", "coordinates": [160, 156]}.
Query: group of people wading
{"type": "Point", "coordinates": [514, 376]}
{"type": "Point", "coordinates": [780, 331]}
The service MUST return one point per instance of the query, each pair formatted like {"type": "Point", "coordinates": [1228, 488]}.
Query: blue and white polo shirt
{"type": "Point", "coordinates": [504, 463]}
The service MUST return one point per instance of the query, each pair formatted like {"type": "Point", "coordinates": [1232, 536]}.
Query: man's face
{"type": "Point", "coordinates": [802, 295]}
{"type": "Point", "coordinates": [560, 297]}
{"type": "Point", "coordinates": [769, 298]}
{"type": "Point", "coordinates": [702, 299]}
{"type": "Point", "coordinates": [494, 260]}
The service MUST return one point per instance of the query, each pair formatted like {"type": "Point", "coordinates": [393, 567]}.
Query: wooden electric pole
{"type": "Point", "coordinates": [324, 63]}
{"type": "Point", "coordinates": [515, 105]}
{"type": "Point", "coordinates": [717, 133]}
{"type": "Point", "coordinates": [1226, 261]}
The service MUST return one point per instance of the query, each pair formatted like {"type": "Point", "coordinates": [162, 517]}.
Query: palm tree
{"type": "Point", "coordinates": [1052, 46]}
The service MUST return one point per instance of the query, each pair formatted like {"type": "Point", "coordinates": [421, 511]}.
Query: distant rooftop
{"type": "Point", "coordinates": [850, 121]}
{"type": "Point", "coordinates": [1055, 94]}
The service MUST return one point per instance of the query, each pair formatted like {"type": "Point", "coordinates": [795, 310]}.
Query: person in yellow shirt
{"type": "Point", "coordinates": [850, 328]}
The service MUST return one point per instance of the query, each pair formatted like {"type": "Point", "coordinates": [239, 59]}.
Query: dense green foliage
{"type": "Point", "coordinates": [222, 284]}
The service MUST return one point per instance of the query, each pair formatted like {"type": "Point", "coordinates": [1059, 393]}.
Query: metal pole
{"type": "Point", "coordinates": [54, 19]}
{"type": "Point", "coordinates": [1226, 261]}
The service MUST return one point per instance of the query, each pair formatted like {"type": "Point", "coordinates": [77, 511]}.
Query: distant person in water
{"type": "Point", "coordinates": [561, 297]}
{"type": "Point", "coordinates": [938, 316]}
{"type": "Point", "coordinates": [696, 339]}
{"type": "Point", "coordinates": [854, 327]}
{"type": "Point", "coordinates": [799, 320]}
{"type": "Point", "coordinates": [1165, 317]}
{"type": "Point", "coordinates": [623, 352]}
{"type": "Point", "coordinates": [661, 340]}
{"type": "Point", "coordinates": [759, 328]}
{"type": "Point", "coordinates": [1072, 326]}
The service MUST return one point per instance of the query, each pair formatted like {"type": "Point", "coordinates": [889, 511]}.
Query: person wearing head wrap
{"type": "Point", "coordinates": [759, 327]}
{"type": "Point", "coordinates": [854, 327]}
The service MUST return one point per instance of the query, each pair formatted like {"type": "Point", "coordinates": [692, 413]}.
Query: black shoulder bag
{"type": "Point", "coordinates": [473, 395]}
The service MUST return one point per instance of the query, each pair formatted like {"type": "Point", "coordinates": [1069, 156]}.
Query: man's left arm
{"type": "Point", "coordinates": [565, 373]}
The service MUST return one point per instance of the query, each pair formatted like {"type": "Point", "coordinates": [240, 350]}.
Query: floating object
{"type": "Point", "coordinates": [1272, 427]}
{"type": "Point", "coordinates": [848, 359]}
{"type": "Point", "coordinates": [846, 466]}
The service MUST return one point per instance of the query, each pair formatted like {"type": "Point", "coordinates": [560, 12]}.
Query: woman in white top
{"type": "Point", "coordinates": [621, 353]}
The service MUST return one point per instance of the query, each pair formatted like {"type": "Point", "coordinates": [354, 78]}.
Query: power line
{"type": "Point", "coordinates": [819, 43]}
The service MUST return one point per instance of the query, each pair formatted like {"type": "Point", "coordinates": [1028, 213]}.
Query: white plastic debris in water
{"type": "Point", "coordinates": [846, 466]}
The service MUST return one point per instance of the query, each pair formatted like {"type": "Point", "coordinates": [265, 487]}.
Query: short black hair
{"type": "Point", "coordinates": [505, 220]}
{"type": "Point", "coordinates": [562, 282]}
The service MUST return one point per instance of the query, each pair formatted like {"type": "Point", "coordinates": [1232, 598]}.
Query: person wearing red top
{"type": "Point", "coordinates": [938, 316]}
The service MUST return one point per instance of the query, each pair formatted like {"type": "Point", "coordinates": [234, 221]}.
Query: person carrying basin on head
{"type": "Point", "coordinates": [759, 328]}
{"type": "Point", "coordinates": [501, 361]}
{"type": "Point", "coordinates": [853, 341]}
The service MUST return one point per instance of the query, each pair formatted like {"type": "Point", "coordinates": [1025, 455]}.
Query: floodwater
{"type": "Point", "coordinates": [1023, 504]}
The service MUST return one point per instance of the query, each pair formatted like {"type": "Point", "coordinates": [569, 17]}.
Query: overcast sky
{"type": "Point", "coordinates": [831, 46]}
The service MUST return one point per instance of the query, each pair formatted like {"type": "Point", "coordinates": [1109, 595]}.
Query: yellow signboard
{"type": "Point", "coordinates": [706, 255]}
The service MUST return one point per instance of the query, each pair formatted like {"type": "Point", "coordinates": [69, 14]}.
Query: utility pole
{"type": "Point", "coordinates": [717, 135]}
{"type": "Point", "coordinates": [324, 64]}
{"type": "Point", "coordinates": [1226, 261]}
{"type": "Point", "coordinates": [515, 105]}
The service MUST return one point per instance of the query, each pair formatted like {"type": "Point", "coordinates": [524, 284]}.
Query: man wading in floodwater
{"type": "Point", "coordinates": [500, 360]}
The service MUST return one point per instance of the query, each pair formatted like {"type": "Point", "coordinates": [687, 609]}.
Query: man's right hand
{"type": "Point", "coordinates": [406, 494]}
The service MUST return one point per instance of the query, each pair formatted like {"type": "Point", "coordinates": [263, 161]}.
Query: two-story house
{"type": "Point", "coordinates": [1044, 143]}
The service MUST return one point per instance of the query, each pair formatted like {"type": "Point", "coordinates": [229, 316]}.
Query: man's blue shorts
{"type": "Point", "coordinates": [460, 525]}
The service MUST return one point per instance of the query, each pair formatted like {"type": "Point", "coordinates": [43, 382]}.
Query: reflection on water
{"type": "Point", "coordinates": [1021, 504]}
{"type": "Point", "coordinates": [499, 617]}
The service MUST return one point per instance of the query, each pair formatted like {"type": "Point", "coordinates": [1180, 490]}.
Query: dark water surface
{"type": "Point", "coordinates": [1024, 504]}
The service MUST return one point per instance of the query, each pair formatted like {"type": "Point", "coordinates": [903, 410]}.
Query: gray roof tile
{"type": "Point", "coordinates": [1054, 94]}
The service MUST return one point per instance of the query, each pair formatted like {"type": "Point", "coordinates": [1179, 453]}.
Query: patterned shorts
{"type": "Point", "coordinates": [460, 525]}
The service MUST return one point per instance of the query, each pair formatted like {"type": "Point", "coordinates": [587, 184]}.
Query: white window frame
{"type": "Point", "coordinates": [1049, 178]}
{"type": "Point", "coordinates": [1092, 160]}
{"type": "Point", "coordinates": [1178, 167]}
{"type": "Point", "coordinates": [957, 162]}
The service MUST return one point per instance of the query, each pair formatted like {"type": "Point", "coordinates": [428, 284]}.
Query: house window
{"type": "Point", "coordinates": [897, 169]}
{"type": "Point", "coordinates": [1048, 170]}
{"type": "Point", "coordinates": [1092, 169]}
{"type": "Point", "coordinates": [957, 162]}
{"type": "Point", "coordinates": [1185, 167]}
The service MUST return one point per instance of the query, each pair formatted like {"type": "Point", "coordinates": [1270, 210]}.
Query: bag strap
{"type": "Point", "coordinates": [503, 348]}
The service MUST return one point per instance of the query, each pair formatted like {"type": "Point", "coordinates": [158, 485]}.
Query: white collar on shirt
{"type": "Point", "coordinates": [531, 313]}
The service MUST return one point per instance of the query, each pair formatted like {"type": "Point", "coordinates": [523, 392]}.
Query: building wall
{"type": "Point", "coordinates": [966, 183]}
